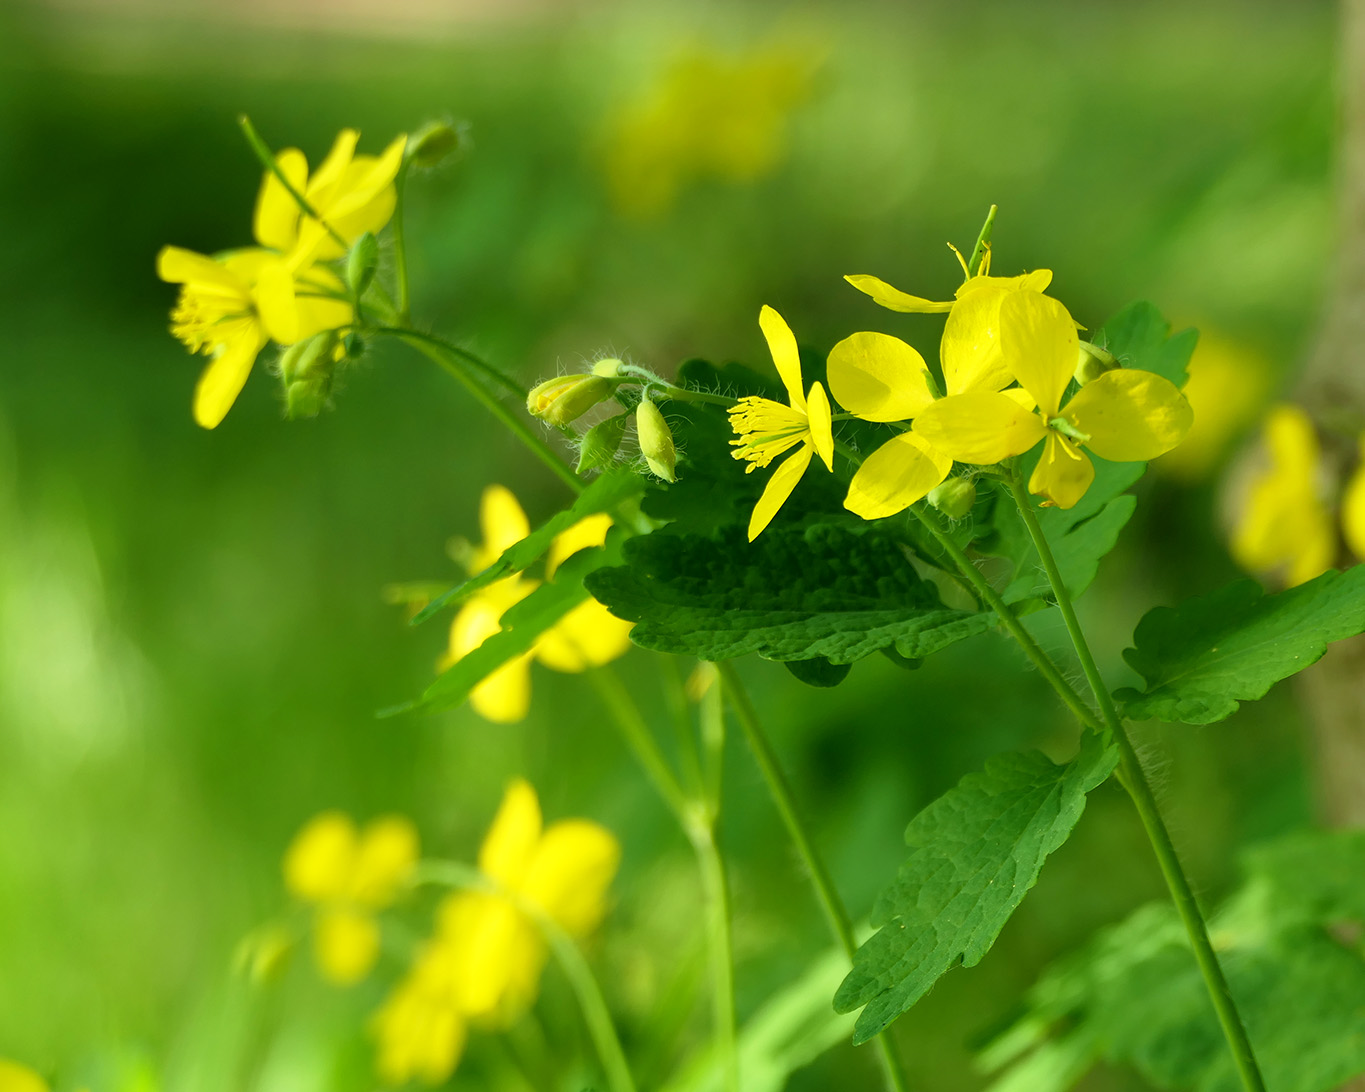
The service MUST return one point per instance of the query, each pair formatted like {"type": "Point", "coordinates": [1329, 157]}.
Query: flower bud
{"type": "Point", "coordinates": [361, 263]}
{"type": "Point", "coordinates": [306, 370]}
{"type": "Point", "coordinates": [601, 442]}
{"type": "Point", "coordinates": [954, 497]}
{"type": "Point", "coordinates": [433, 144]}
{"type": "Point", "coordinates": [1092, 362]}
{"type": "Point", "coordinates": [656, 441]}
{"type": "Point", "coordinates": [609, 368]}
{"type": "Point", "coordinates": [567, 397]}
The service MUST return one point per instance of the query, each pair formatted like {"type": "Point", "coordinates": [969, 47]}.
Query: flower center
{"type": "Point", "coordinates": [766, 429]}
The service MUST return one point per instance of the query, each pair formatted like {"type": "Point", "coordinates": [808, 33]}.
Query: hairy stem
{"type": "Point", "coordinates": [1133, 778]}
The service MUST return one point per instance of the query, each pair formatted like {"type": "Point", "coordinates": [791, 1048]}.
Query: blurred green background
{"type": "Point", "coordinates": [192, 635]}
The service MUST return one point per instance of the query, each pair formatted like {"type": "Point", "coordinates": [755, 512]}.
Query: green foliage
{"type": "Point", "coordinates": [609, 490]}
{"type": "Point", "coordinates": [790, 595]}
{"type": "Point", "coordinates": [1204, 657]}
{"type": "Point", "coordinates": [1141, 338]}
{"type": "Point", "coordinates": [975, 852]}
{"type": "Point", "coordinates": [1289, 942]}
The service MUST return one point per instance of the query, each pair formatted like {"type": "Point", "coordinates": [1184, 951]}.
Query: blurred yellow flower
{"type": "Point", "coordinates": [349, 875]}
{"type": "Point", "coordinates": [1127, 415]}
{"type": "Point", "coordinates": [228, 309]}
{"type": "Point", "coordinates": [19, 1078]}
{"type": "Point", "coordinates": [1284, 527]}
{"type": "Point", "coordinates": [588, 636]}
{"type": "Point", "coordinates": [1353, 508]}
{"type": "Point", "coordinates": [767, 429]}
{"type": "Point", "coordinates": [484, 964]}
{"type": "Point", "coordinates": [352, 194]}
{"type": "Point", "coordinates": [708, 116]}
{"type": "Point", "coordinates": [1228, 386]}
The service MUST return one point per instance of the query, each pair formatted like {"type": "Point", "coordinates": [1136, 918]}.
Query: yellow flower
{"type": "Point", "coordinates": [229, 309]}
{"type": "Point", "coordinates": [588, 636]}
{"type": "Point", "coordinates": [1127, 415]}
{"type": "Point", "coordinates": [1284, 527]}
{"type": "Point", "coordinates": [352, 194]}
{"type": "Point", "coordinates": [484, 964]}
{"type": "Point", "coordinates": [1353, 508]}
{"type": "Point", "coordinates": [767, 429]}
{"type": "Point", "coordinates": [881, 378]}
{"type": "Point", "coordinates": [19, 1078]}
{"type": "Point", "coordinates": [349, 875]}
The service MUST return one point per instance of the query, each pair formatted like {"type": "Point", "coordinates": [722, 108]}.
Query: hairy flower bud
{"type": "Point", "coordinates": [433, 144]}
{"type": "Point", "coordinates": [609, 368]}
{"type": "Point", "coordinates": [656, 440]}
{"type": "Point", "coordinates": [306, 370]}
{"type": "Point", "coordinates": [954, 497]}
{"type": "Point", "coordinates": [567, 397]}
{"type": "Point", "coordinates": [601, 442]}
{"type": "Point", "coordinates": [1092, 362]}
{"type": "Point", "coordinates": [361, 263]}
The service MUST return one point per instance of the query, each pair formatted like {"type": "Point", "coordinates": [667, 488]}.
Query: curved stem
{"type": "Point", "coordinates": [593, 1005]}
{"type": "Point", "coordinates": [625, 714]}
{"type": "Point", "coordinates": [1133, 778]}
{"type": "Point", "coordinates": [453, 360]}
{"type": "Point", "coordinates": [836, 913]}
{"type": "Point", "coordinates": [400, 250]}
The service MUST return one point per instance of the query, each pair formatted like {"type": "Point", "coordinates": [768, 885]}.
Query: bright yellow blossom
{"type": "Point", "coordinates": [588, 636]}
{"type": "Point", "coordinates": [767, 429]}
{"type": "Point", "coordinates": [881, 378]}
{"type": "Point", "coordinates": [1284, 527]}
{"type": "Point", "coordinates": [483, 966]}
{"type": "Point", "coordinates": [1353, 508]}
{"type": "Point", "coordinates": [228, 309]}
{"type": "Point", "coordinates": [351, 193]}
{"type": "Point", "coordinates": [1127, 415]}
{"type": "Point", "coordinates": [348, 875]}
{"type": "Point", "coordinates": [19, 1078]}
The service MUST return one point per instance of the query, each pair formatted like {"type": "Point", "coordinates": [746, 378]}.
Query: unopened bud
{"type": "Point", "coordinates": [361, 263]}
{"type": "Point", "coordinates": [567, 397]}
{"type": "Point", "coordinates": [1092, 362]}
{"type": "Point", "coordinates": [608, 368]}
{"type": "Point", "coordinates": [306, 370]}
{"type": "Point", "coordinates": [601, 442]}
{"type": "Point", "coordinates": [433, 144]}
{"type": "Point", "coordinates": [656, 440]}
{"type": "Point", "coordinates": [954, 497]}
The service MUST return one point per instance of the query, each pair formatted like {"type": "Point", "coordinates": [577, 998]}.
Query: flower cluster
{"type": "Point", "coordinates": [285, 288]}
{"type": "Point", "coordinates": [1015, 374]}
{"type": "Point", "coordinates": [588, 636]}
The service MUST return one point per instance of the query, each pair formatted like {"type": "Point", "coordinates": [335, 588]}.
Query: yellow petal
{"type": "Point", "coordinates": [893, 298]}
{"type": "Point", "coordinates": [224, 378]}
{"type": "Point", "coordinates": [180, 266]}
{"type": "Point", "coordinates": [1353, 509]}
{"type": "Point", "coordinates": [345, 944]}
{"type": "Point", "coordinates": [274, 295]}
{"type": "Point", "coordinates": [981, 427]}
{"type": "Point", "coordinates": [511, 840]}
{"type": "Point", "coordinates": [782, 345]}
{"type": "Point", "coordinates": [420, 1034]}
{"type": "Point", "coordinates": [821, 425]}
{"type": "Point", "coordinates": [570, 872]}
{"type": "Point", "coordinates": [583, 535]}
{"type": "Point", "coordinates": [1039, 345]}
{"type": "Point", "coordinates": [501, 520]}
{"type": "Point", "coordinates": [588, 636]}
{"type": "Point", "coordinates": [319, 861]}
{"type": "Point", "coordinates": [1130, 415]}
{"type": "Point", "coordinates": [331, 168]}
{"type": "Point", "coordinates": [778, 489]}
{"type": "Point", "coordinates": [878, 377]}
{"type": "Point", "coordinates": [1037, 281]}
{"type": "Point", "coordinates": [970, 349]}
{"type": "Point", "coordinates": [19, 1078]}
{"type": "Point", "coordinates": [277, 213]}
{"type": "Point", "coordinates": [385, 858]}
{"type": "Point", "coordinates": [895, 476]}
{"type": "Point", "coordinates": [501, 954]}
{"type": "Point", "coordinates": [1063, 474]}
{"type": "Point", "coordinates": [317, 309]}
{"type": "Point", "coordinates": [505, 696]}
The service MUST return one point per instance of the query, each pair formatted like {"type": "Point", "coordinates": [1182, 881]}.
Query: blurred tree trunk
{"type": "Point", "coordinates": [1333, 390]}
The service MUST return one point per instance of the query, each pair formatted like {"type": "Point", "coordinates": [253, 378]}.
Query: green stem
{"type": "Point", "coordinates": [593, 1005]}
{"type": "Point", "coordinates": [271, 164]}
{"type": "Point", "coordinates": [982, 242]}
{"type": "Point", "coordinates": [1133, 778]}
{"type": "Point", "coordinates": [631, 724]}
{"type": "Point", "coordinates": [478, 363]}
{"type": "Point", "coordinates": [400, 250]}
{"type": "Point", "coordinates": [453, 360]}
{"type": "Point", "coordinates": [836, 914]}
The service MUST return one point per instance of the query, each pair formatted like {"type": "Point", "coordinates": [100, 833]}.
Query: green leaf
{"type": "Point", "coordinates": [818, 672]}
{"type": "Point", "coordinates": [1204, 657]}
{"type": "Point", "coordinates": [522, 625]}
{"type": "Point", "coordinates": [976, 851]}
{"type": "Point", "coordinates": [791, 595]}
{"type": "Point", "coordinates": [1141, 338]}
{"type": "Point", "coordinates": [602, 495]}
